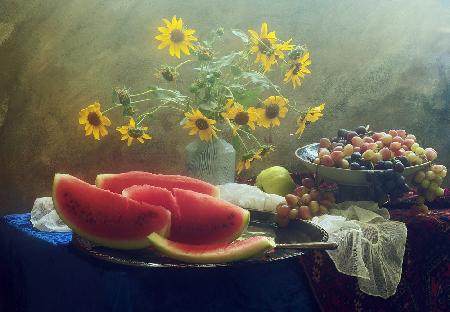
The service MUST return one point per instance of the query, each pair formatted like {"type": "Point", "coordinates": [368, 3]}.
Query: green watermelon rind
{"type": "Point", "coordinates": [219, 255]}
{"type": "Point", "coordinates": [101, 178]}
{"type": "Point", "coordinates": [119, 244]}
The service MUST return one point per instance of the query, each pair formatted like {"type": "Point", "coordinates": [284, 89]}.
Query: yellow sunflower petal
{"type": "Point", "coordinates": [163, 44]}
{"type": "Point", "coordinates": [89, 130]}
{"type": "Point", "coordinates": [96, 132]}
{"type": "Point", "coordinates": [103, 131]}
{"type": "Point", "coordinates": [185, 49]}
{"type": "Point", "coordinates": [172, 49]}
{"type": "Point", "coordinates": [177, 51]}
{"type": "Point", "coordinates": [146, 136]}
{"type": "Point", "coordinates": [105, 120]}
{"type": "Point", "coordinates": [132, 123]}
{"type": "Point", "coordinates": [264, 30]}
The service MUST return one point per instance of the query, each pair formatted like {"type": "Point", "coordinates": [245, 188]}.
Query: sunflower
{"type": "Point", "coordinates": [174, 36]}
{"type": "Point", "coordinates": [313, 114]}
{"type": "Point", "coordinates": [131, 132]}
{"type": "Point", "coordinates": [198, 123]}
{"type": "Point", "coordinates": [240, 116]}
{"type": "Point", "coordinates": [246, 161]}
{"type": "Point", "coordinates": [265, 45]}
{"type": "Point", "coordinates": [298, 70]}
{"type": "Point", "coordinates": [274, 109]}
{"type": "Point", "coordinates": [94, 121]}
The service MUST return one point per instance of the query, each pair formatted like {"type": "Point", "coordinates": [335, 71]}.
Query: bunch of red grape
{"type": "Point", "coordinates": [306, 202]}
{"type": "Point", "coordinates": [363, 150]}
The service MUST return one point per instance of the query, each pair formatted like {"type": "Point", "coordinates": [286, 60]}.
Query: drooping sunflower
{"type": "Point", "coordinates": [274, 109]}
{"type": "Point", "coordinates": [130, 132]}
{"type": "Point", "coordinates": [246, 161]}
{"type": "Point", "coordinates": [265, 45]}
{"type": "Point", "coordinates": [298, 69]}
{"type": "Point", "coordinates": [174, 36]}
{"type": "Point", "coordinates": [313, 114]}
{"type": "Point", "coordinates": [94, 121]}
{"type": "Point", "coordinates": [198, 123]}
{"type": "Point", "coordinates": [240, 116]}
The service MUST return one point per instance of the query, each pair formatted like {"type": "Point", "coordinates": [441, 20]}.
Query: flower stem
{"type": "Point", "coordinates": [134, 102]}
{"type": "Point", "coordinates": [142, 93]}
{"type": "Point", "coordinates": [111, 108]}
{"type": "Point", "coordinates": [181, 64]}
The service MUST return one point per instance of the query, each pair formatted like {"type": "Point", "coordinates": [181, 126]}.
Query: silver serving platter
{"type": "Point", "coordinates": [303, 233]}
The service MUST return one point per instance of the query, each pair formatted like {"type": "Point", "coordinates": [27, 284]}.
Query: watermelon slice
{"type": "Point", "coordinates": [214, 253]}
{"type": "Point", "coordinates": [106, 218]}
{"type": "Point", "coordinates": [118, 182]}
{"type": "Point", "coordinates": [153, 195]}
{"type": "Point", "coordinates": [198, 218]}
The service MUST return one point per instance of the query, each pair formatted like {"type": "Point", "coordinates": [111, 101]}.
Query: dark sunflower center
{"type": "Point", "coordinates": [265, 46]}
{"type": "Point", "coordinates": [94, 119]}
{"type": "Point", "coordinates": [241, 118]}
{"type": "Point", "coordinates": [135, 133]}
{"type": "Point", "coordinates": [202, 124]}
{"type": "Point", "coordinates": [272, 111]}
{"type": "Point", "coordinates": [177, 36]}
{"type": "Point", "coordinates": [297, 68]}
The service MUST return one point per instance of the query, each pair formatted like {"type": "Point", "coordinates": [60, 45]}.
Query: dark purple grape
{"type": "Point", "coordinates": [399, 167]}
{"type": "Point", "coordinates": [379, 165]}
{"type": "Point", "coordinates": [342, 133]}
{"type": "Point", "coordinates": [388, 164]}
{"type": "Point", "coordinates": [350, 135]}
{"type": "Point", "coordinates": [404, 161]}
{"type": "Point", "coordinates": [361, 130]}
{"type": "Point", "coordinates": [355, 166]}
{"type": "Point", "coordinates": [355, 156]}
{"type": "Point", "coordinates": [363, 168]}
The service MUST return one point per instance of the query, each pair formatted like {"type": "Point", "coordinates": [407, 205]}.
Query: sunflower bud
{"type": "Point", "coordinates": [295, 53]}
{"type": "Point", "coordinates": [123, 96]}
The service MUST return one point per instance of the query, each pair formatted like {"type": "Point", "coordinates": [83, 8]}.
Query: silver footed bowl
{"type": "Point", "coordinates": [308, 153]}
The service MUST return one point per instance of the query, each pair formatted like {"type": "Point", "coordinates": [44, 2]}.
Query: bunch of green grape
{"type": "Point", "coordinates": [429, 182]}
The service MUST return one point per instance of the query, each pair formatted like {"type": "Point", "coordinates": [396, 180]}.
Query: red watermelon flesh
{"type": "Point", "coordinates": [205, 219]}
{"type": "Point", "coordinates": [200, 218]}
{"type": "Point", "coordinates": [106, 218]}
{"type": "Point", "coordinates": [118, 182]}
{"type": "Point", "coordinates": [214, 253]}
{"type": "Point", "coordinates": [153, 195]}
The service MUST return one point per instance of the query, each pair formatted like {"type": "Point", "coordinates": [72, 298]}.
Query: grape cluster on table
{"type": "Point", "coordinates": [364, 150]}
{"type": "Point", "coordinates": [308, 200]}
{"type": "Point", "coordinates": [429, 183]}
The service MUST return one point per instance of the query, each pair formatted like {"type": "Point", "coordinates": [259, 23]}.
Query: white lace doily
{"type": "Point", "coordinates": [370, 246]}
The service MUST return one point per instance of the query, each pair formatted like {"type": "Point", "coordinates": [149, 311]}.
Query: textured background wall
{"type": "Point", "coordinates": [384, 63]}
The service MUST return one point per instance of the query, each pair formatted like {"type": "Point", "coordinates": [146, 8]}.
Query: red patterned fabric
{"type": "Point", "coordinates": [425, 282]}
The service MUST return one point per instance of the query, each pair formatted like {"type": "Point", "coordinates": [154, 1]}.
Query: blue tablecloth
{"type": "Point", "coordinates": [42, 271]}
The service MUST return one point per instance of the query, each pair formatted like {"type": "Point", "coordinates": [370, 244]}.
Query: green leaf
{"type": "Point", "coordinates": [235, 70]}
{"type": "Point", "coordinates": [248, 97]}
{"type": "Point", "coordinates": [224, 61]}
{"type": "Point", "coordinates": [168, 95]}
{"type": "Point", "coordinates": [209, 106]}
{"type": "Point", "coordinates": [242, 35]}
{"type": "Point", "coordinates": [236, 142]}
{"type": "Point", "coordinates": [258, 79]}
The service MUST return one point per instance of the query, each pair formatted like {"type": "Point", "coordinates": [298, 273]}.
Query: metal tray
{"type": "Point", "coordinates": [261, 223]}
